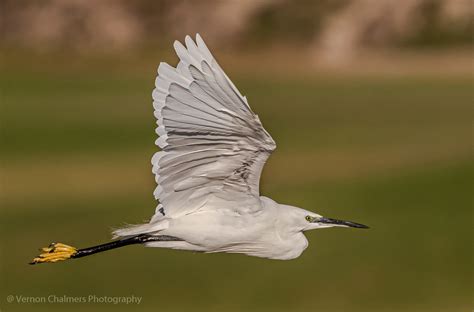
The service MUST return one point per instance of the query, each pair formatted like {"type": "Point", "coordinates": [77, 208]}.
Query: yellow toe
{"type": "Point", "coordinates": [55, 252]}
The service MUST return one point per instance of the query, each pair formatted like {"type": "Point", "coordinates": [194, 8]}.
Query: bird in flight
{"type": "Point", "coordinates": [212, 151]}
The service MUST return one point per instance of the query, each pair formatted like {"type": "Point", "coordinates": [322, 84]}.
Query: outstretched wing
{"type": "Point", "coordinates": [211, 142]}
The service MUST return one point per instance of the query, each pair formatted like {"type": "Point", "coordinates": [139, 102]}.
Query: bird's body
{"type": "Point", "coordinates": [213, 149]}
{"type": "Point", "coordinates": [261, 231]}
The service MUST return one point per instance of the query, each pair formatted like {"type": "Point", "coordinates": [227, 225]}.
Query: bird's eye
{"type": "Point", "coordinates": [308, 218]}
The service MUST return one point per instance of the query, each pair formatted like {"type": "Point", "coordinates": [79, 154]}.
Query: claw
{"type": "Point", "coordinates": [55, 252]}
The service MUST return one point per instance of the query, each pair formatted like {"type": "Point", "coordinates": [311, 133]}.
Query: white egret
{"type": "Point", "coordinates": [213, 149]}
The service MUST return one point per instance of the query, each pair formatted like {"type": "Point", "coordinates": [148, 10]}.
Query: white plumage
{"type": "Point", "coordinates": [213, 149]}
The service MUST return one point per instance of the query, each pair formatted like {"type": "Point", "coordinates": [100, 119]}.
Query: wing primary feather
{"type": "Point", "coordinates": [211, 142]}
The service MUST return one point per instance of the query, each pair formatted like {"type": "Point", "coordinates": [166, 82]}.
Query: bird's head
{"type": "Point", "coordinates": [304, 220]}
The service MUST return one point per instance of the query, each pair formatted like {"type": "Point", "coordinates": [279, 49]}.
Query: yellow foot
{"type": "Point", "coordinates": [55, 252]}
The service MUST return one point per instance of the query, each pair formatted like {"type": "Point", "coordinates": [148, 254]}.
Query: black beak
{"type": "Point", "coordinates": [341, 222]}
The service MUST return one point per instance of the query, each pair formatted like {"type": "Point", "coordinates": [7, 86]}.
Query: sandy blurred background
{"type": "Point", "coordinates": [370, 103]}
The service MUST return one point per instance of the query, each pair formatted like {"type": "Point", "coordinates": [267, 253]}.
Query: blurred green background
{"type": "Point", "coordinates": [380, 134]}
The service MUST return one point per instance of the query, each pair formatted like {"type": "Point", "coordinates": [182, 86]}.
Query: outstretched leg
{"type": "Point", "coordinates": [58, 251]}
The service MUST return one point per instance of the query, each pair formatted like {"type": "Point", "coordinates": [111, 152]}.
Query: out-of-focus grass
{"type": "Point", "coordinates": [393, 153]}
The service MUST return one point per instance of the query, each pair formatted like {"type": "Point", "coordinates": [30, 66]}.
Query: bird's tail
{"type": "Point", "coordinates": [137, 229]}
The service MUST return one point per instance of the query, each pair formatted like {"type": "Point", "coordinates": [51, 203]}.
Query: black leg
{"type": "Point", "coordinates": [57, 251]}
{"type": "Point", "coordinates": [139, 239]}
